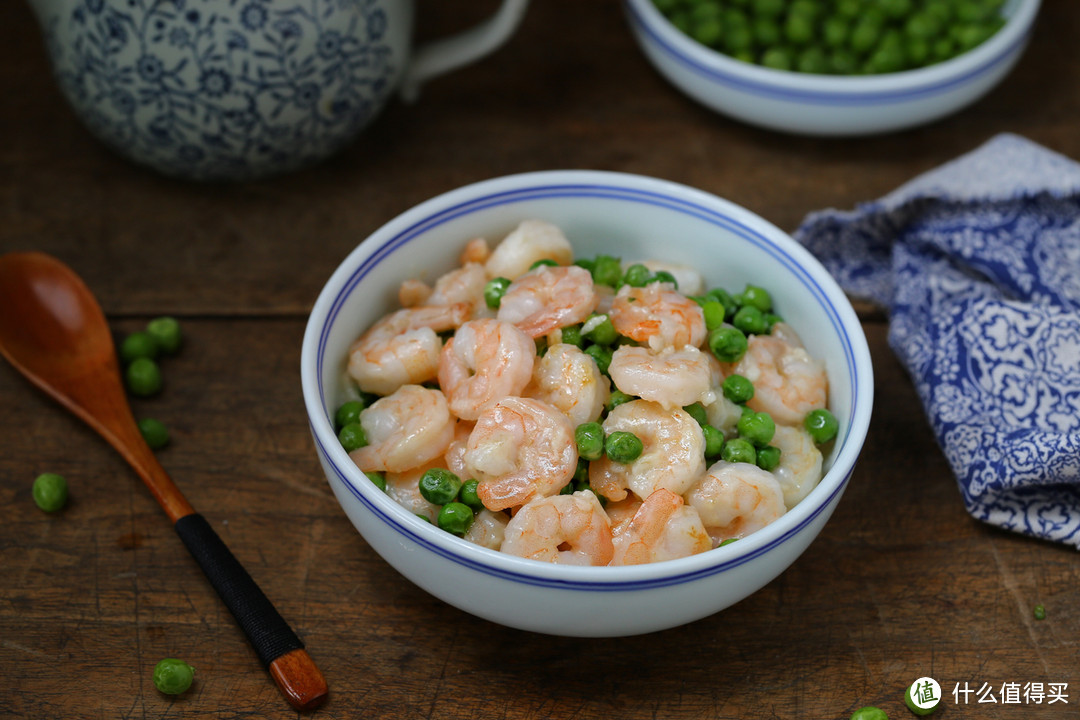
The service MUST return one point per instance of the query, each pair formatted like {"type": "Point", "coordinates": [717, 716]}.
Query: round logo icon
{"type": "Point", "coordinates": [924, 694]}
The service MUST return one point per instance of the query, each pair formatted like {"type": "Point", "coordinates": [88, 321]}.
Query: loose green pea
{"type": "Point", "coordinates": [637, 275]}
{"type": "Point", "coordinates": [869, 713]}
{"type": "Point", "coordinates": [623, 447]}
{"type": "Point", "coordinates": [143, 377]}
{"type": "Point", "coordinates": [139, 345]}
{"type": "Point", "coordinates": [377, 479]}
{"type": "Point", "coordinates": [758, 428]}
{"type": "Point", "coordinates": [768, 457]}
{"type": "Point", "coordinates": [617, 398]}
{"type": "Point", "coordinates": [590, 440]}
{"type": "Point", "coordinates": [468, 495]}
{"type": "Point", "coordinates": [602, 355]}
{"type": "Point", "coordinates": [352, 436]}
{"type": "Point", "coordinates": [50, 491]}
{"type": "Point", "coordinates": [727, 343]}
{"type": "Point", "coordinates": [750, 320]}
{"type": "Point", "coordinates": [154, 433]}
{"type": "Point", "coordinates": [494, 289]}
{"type": "Point", "coordinates": [1039, 612]}
{"type": "Point", "coordinates": [455, 518]}
{"type": "Point", "coordinates": [714, 440]}
{"type": "Point", "coordinates": [738, 389]}
{"type": "Point", "coordinates": [602, 332]}
{"type": "Point", "coordinates": [821, 424]}
{"type": "Point", "coordinates": [439, 486]}
{"type": "Point", "coordinates": [607, 270]}
{"type": "Point", "coordinates": [172, 676]}
{"type": "Point", "coordinates": [738, 450]}
{"type": "Point", "coordinates": [348, 413]}
{"type": "Point", "coordinates": [166, 330]}
{"type": "Point", "coordinates": [697, 411]}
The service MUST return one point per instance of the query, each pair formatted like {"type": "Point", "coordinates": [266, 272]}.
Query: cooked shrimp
{"type": "Point", "coordinates": [663, 528]}
{"type": "Point", "coordinates": [673, 454]}
{"type": "Point", "coordinates": [673, 378]}
{"type": "Point", "coordinates": [413, 292]}
{"type": "Point", "coordinates": [690, 281]}
{"type": "Point", "coordinates": [455, 452]}
{"type": "Point", "coordinates": [404, 489]}
{"type": "Point", "coordinates": [488, 529]}
{"type": "Point", "coordinates": [520, 448]}
{"type": "Point", "coordinates": [570, 380]}
{"type": "Point", "coordinates": [605, 298]}
{"type": "Point", "coordinates": [404, 430]}
{"type": "Point", "coordinates": [563, 529]}
{"type": "Point", "coordinates": [402, 348]}
{"type": "Point", "coordinates": [547, 298]}
{"type": "Point", "coordinates": [476, 250]}
{"type": "Point", "coordinates": [532, 240]}
{"type": "Point", "coordinates": [800, 463]}
{"type": "Point", "coordinates": [735, 499]}
{"type": "Point", "coordinates": [622, 512]}
{"type": "Point", "coordinates": [485, 361]}
{"type": "Point", "coordinates": [463, 285]}
{"type": "Point", "coordinates": [658, 316]}
{"type": "Point", "coordinates": [788, 382]}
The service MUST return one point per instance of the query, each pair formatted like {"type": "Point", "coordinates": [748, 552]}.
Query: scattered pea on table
{"type": "Point", "coordinates": [173, 676]}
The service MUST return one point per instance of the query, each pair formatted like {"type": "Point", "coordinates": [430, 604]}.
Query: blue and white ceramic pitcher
{"type": "Point", "coordinates": [238, 89]}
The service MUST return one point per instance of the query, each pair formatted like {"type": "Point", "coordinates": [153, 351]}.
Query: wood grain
{"type": "Point", "coordinates": [901, 583]}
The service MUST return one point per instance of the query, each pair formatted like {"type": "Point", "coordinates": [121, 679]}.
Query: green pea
{"type": "Point", "coordinates": [714, 313]}
{"type": "Point", "coordinates": [439, 486]}
{"type": "Point", "coordinates": [602, 332]}
{"type": "Point", "coordinates": [758, 297]}
{"type": "Point", "coordinates": [585, 263]}
{"type": "Point", "coordinates": [166, 330]}
{"type": "Point", "coordinates": [723, 297]}
{"type": "Point", "coordinates": [348, 413]}
{"type": "Point", "coordinates": [813, 60]}
{"type": "Point", "coordinates": [848, 8]}
{"type": "Point", "coordinates": [697, 411]}
{"type": "Point", "coordinates": [835, 31]}
{"type": "Point", "coordinates": [617, 398]}
{"type": "Point", "coordinates": [727, 343]}
{"type": "Point", "coordinates": [758, 428]}
{"type": "Point", "coordinates": [843, 62]}
{"type": "Point", "coordinates": [544, 262]}
{"type": "Point", "coordinates": [869, 713]}
{"type": "Point", "coordinates": [637, 275]}
{"type": "Point", "coordinates": [352, 436]}
{"type": "Point", "coordinates": [455, 518]}
{"type": "Point", "coordinates": [821, 424]}
{"type": "Point", "coordinates": [623, 447]}
{"type": "Point", "coordinates": [750, 320]}
{"type": "Point", "coordinates": [581, 473]}
{"type": "Point", "coordinates": [726, 541]}
{"type": "Point", "coordinates": [1039, 612]}
{"type": "Point", "coordinates": [377, 479]}
{"type": "Point", "coordinates": [766, 31]}
{"type": "Point", "coordinates": [154, 433]}
{"type": "Point", "coordinates": [707, 31]}
{"type": "Point", "coordinates": [768, 8]}
{"type": "Point", "coordinates": [50, 491]}
{"type": "Point", "coordinates": [172, 676]}
{"type": "Point", "coordinates": [922, 25]}
{"type": "Point", "coordinates": [494, 289]}
{"type": "Point", "coordinates": [568, 489]}
{"type": "Point", "coordinates": [571, 335]}
{"type": "Point", "coordinates": [776, 58]}
{"type": "Point", "coordinates": [738, 37]}
{"type": "Point", "coordinates": [143, 377]}
{"type": "Point", "coordinates": [139, 345]}
{"type": "Point", "coordinates": [607, 270]}
{"type": "Point", "coordinates": [799, 28]}
{"type": "Point", "coordinates": [768, 457]}
{"type": "Point", "coordinates": [864, 35]}
{"type": "Point", "coordinates": [738, 389]}
{"type": "Point", "coordinates": [602, 355]}
{"type": "Point", "coordinates": [590, 440]}
{"type": "Point", "coordinates": [895, 8]}
{"type": "Point", "coordinates": [665, 277]}
{"type": "Point", "coordinates": [738, 450]}
{"type": "Point", "coordinates": [468, 495]}
{"type": "Point", "coordinates": [714, 440]}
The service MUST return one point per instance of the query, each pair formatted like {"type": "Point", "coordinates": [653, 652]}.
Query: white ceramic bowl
{"type": "Point", "coordinates": [825, 105]}
{"type": "Point", "coordinates": [628, 216]}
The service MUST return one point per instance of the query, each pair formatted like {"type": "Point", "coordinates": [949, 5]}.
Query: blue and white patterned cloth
{"type": "Point", "coordinates": [978, 264]}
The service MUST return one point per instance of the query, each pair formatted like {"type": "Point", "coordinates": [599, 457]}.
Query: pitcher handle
{"type": "Point", "coordinates": [449, 53]}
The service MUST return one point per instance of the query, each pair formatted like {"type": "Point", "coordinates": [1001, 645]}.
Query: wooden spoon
{"type": "Point", "coordinates": [54, 332]}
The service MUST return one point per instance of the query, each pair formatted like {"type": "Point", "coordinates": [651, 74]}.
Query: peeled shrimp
{"type": "Point", "coordinates": [800, 463]}
{"type": "Point", "coordinates": [788, 381]}
{"type": "Point", "coordinates": [663, 528]}
{"type": "Point", "coordinates": [736, 499]}
{"type": "Point", "coordinates": [672, 378]}
{"type": "Point", "coordinates": [571, 381]}
{"type": "Point", "coordinates": [463, 285]}
{"type": "Point", "coordinates": [488, 529]}
{"type": "Point", "coordinates": [404, 489]}
{"type": "Point", "coordinates": [563, 529]}
{"type": "Point", "coordinates": [413, 292]}
{"type": "Point", "coordinates": [673, 456]}
{"type": "Point", "coordinates": [520, 448]}
{"type": "Point", "coordinates": [476, 250]}
{"type": "Point", "coordinates": [404, 430]}
{"type": "Point", "coordinates": [485, 361]}
{"type": "Point", "coordinates": [402, 348]}
{"type": "Point", "coordinates": [548, 298]}
{"type": "Point", "coordinates": [658, 316]}
{"type": "Point", "coordinates": [455, 451]}
{"type": "Point", "coordinates": [532, 240]}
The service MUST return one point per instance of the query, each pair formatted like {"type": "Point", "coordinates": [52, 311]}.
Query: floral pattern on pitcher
{"type": "Point", "coordinates": [224, 89]}
{"type": "Point", "coordinates": [979, 265]}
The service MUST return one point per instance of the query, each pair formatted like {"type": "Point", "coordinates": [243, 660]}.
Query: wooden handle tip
{"type": "Point", "coordinates": [299, 679]}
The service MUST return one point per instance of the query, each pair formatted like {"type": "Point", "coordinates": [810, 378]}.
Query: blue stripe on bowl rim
{"type": "Point", "coordinates": [575, 190]}
{"type": "Point", "coordinates": [860, 97]}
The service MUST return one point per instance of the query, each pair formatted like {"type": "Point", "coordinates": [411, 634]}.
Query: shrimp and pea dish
{"type": "Point", "coordinates": [585, 411]}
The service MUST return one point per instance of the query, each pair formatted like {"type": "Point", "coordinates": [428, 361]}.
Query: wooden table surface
{"type": "Point", "coordinates": [901, 583]}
